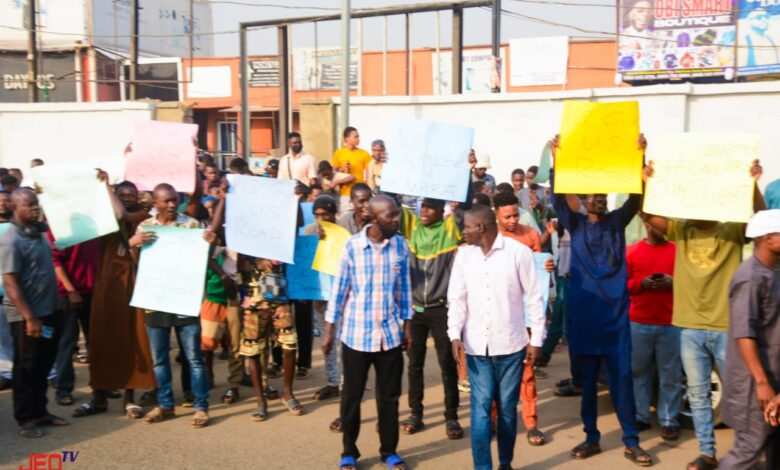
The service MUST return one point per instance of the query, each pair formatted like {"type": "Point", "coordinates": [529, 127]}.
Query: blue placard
{"type": "Point", "coordinates": [304, 283]}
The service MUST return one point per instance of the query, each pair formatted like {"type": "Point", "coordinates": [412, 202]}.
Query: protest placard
{"type": "Point", "coordinates": [543, 278]}
{"type": "Point", "coordinates": [428, 159]}
{"type": "Point", "coordinates": [304, 283]}
{"type": "Point", "coordinates": [77, 205]}
{"type": "Point", "coordinates": [307, 210]}
{"type": "Point", "coordinates": [328, 254]}
{"type": "Point", "coordinates": [702, 175]}
{"type": "Point", "coordinates": [162, 152]}
{"type": "Point", "coordinates": [172, 271]}
{"type": "Point", "coordinates": [599, 150]}
{"type": "Point", "coordinates": [260, 217]}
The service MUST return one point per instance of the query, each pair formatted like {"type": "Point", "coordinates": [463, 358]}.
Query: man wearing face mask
{"type": "Point", "coordinates": [297, 164]}
{"type": "Point", "coordinates": [599, 330]}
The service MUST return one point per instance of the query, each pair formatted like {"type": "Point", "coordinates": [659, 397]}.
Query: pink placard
{"type": "Point", "coordinates": [163, 152]}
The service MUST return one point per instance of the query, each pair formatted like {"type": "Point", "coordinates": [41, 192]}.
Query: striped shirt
{"type": "Point", "coordinates": [373, 293]}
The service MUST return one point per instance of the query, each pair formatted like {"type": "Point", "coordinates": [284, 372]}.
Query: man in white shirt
{"type": "Point", "coordinates": [297, 164]}
{"type": "Point", "coordinates": [487, 318]}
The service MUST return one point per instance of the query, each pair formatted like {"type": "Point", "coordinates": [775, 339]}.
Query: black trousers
{"type": "Point", "coordinates": [33, 359]}
{"type": "Point", "coordinates": [432, 321]}
{"type": "Point", "coordinates": [305, 329]}
{"type": "Point", "coordinates": [69, 338]}
{"type": "Point", "coordinates": [389, 369]}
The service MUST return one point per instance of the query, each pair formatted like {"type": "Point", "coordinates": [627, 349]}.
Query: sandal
{"type": "Point", "coordinates": [303, 373]}
{"type": "Point", "coordinates": [412, 424]}
{"type": "Point", "coordinates": [294, 406]}
{"type": "Point", "coordinates": [348, 462]}
{"type": "Point", "coordinates": [638, 456]}
{"type": "Point", "coordinates": [336, 426]}
{"type": "Point", "coordinates": [670, 433]}
{"type": "Point", "coordinates": [158, 415]}
{"type": "Point", "coordinates": [230, 396]}
{"type": "Point", "coordinates": [51, 420]}
{"type": "Point", "coordinates": [326, 392]}
{"type": "Point", "coordinates": [134, 411]}
{"type": "Point", "coordinates": [395, 462]}
{"type": "Point", "coordinates": [454, 431]}
{"type": "Point", "coordinates": [88, 409]}
{"type": "Point", "coordinates": [200, 419]}
{"type": "Point", "coordinates": [65, 400]}
{"type": "Point", "coordinates": [585, 450]}
{"type": "Point", "coordinates": [703, 462]}
{"type": "Point", "coordinates": [271, 393]}
{"type": "Point", "coordinates": [30, 430]}
{"type": "Point", "coordinates": [260, 414]}
{"type": "Point", "coordinates": [535, 437]}
{"type": "Point", "coordinates": [567, 390]}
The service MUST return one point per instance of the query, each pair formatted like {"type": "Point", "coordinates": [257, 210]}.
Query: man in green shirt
{"type": "Point", "coordinates": [708, 254]}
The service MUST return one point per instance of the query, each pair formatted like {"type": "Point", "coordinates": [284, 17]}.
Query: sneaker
{"type": "Point", "coordinates": [464, 386]}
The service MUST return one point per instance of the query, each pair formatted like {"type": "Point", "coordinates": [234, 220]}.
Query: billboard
{"type": "Point", "coordinates": [480, 72]}
{"type": "Point", "coordinates": [672, 39]}
{"type": "Point", "coordinates": [263, 73]}
{"type": "Point", "coordinates": [320, 69]}
{"type": "Point", "coordinates": [759, 37]}
{"type": "Point", "coordinates": [56, 80]}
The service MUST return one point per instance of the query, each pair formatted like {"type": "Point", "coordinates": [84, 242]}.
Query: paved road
{"type": "Point", "coordinates": [110, 440]}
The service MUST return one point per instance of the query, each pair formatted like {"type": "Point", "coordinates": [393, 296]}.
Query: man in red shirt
{"type": "Point", "coordinates": [650, 268]}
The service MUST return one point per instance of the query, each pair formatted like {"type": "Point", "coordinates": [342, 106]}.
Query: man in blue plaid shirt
{"type": "Point", "coordinates": [372, 301]}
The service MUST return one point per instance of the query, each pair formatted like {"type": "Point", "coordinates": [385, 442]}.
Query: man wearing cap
{"type": "Point", "coordinates": [433, 242]}
{"type": "Point", "coordinates": [480, 170]}
{"type": "Point", "coordinates": [753, 348]}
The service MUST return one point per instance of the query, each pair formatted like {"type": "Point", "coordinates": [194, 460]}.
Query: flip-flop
{"type": "Point", "coordinates": [259, 414]}
{"type": "Point", "coordinates": [230, 396]}
{"type": "Point", "coordinates": [393, 462]}
{"type": "Point", "coordinates": [585, 450]}
{"type": "Point", "coordinates": [634, 453]}
{"type": "Point", "coordinates": [701, 463]}
{"type": "Point", "coordinates": [200, 419]}
{"type": "Point", "coordinates": [411, 425]}
{"type": "Point", "coordinates": [535, 433]}
{"type": "Point", "coordinates": [65, 400]}
{"type": "Point", "coordinates": [30, 431]}
{"type": "Point", "coordinates": [326, 392]}
{"type": "Point", "coordinates": [51, 420]}
{"type": "Point", "coordinates": [348, 461]}
{"type": "Point", "coordinates": [336, 426]}
{"type": "Point", "coordinates": [134, 411]}
{"type": "Point", "coordinates": [294, 406]}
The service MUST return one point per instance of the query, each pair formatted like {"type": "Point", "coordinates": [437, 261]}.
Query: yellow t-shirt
{"type": "Point", "coordinates": [705, 262]}
{"type": "Point", "coordinates": [358, 161]}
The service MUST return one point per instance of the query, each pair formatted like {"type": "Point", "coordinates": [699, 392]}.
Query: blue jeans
{"type": "Point", "coordinates": [699, 349]}
{"type": "Point", "coordinates": [6, 346]}
{"type": "Point", "coordinates": [662, 344]}
{"type": "Point", "coordinates": [494, 378]}
{"type": "Point", "coordinates": [160, 342]}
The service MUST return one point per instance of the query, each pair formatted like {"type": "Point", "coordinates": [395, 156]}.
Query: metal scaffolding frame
{"type": "Point", "coordinates": [284, 24]}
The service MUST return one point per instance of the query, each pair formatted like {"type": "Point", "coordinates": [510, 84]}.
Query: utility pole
{"type": "Point", "coordinates": [32, 52]}
{"type": "Point", "coordinates": [345, 56]}
{"type": "Point", "coordinates": [496, 43]}
{"type": "Point", "coordinates": [134, 48]}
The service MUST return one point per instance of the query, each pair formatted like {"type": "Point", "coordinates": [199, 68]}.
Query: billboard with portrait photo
{"type": "Point", "coordinates": [674, 39]}
{"type": "Point", "coordinates": [759, 37]}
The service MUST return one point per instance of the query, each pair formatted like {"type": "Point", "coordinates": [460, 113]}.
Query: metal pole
{"type": "Point", "coordinates": [246, 139]}
{"type": "Point", "coordinates": [438, 54]}
{"type": "Point", "coordinates": [457, 50]}
{"type": "Point", "coordinates": [496, 42]}
{"type": "Point", "coordinates": [360, 55]}
{"type": "Point", "coordinates": [134, 48]}
{"type": "Point", "coordinates": [345, 56]}
{"type": "Point", "coordinates": [284, 84]}
{"type": "Point", "coordinates": [32, 53]}
{"type": "Point", "coordinates": [408, 54]}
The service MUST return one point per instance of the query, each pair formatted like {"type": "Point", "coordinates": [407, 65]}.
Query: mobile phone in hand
{"type": "Point", "coordinates": [47, 332]}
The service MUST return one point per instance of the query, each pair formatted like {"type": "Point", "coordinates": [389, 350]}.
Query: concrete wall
{"type": "Point", "coordinates": [513, 128]}
{"type": "Point", "coordinates": [69, 132]}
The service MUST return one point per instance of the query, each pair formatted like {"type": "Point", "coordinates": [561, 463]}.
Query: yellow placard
{"type": "Point", "coordinates": [326, 258]}
{"type": "Point", "coordinates": [703, 176]}
{"type": "Point", "coordinates": [599, 151]}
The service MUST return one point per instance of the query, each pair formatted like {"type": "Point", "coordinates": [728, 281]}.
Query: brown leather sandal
{"type": "Point", "coordinates": [158, 415]}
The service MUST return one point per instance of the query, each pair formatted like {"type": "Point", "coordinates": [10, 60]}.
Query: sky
{"type": "Point", "coordinates": [582, 19]}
